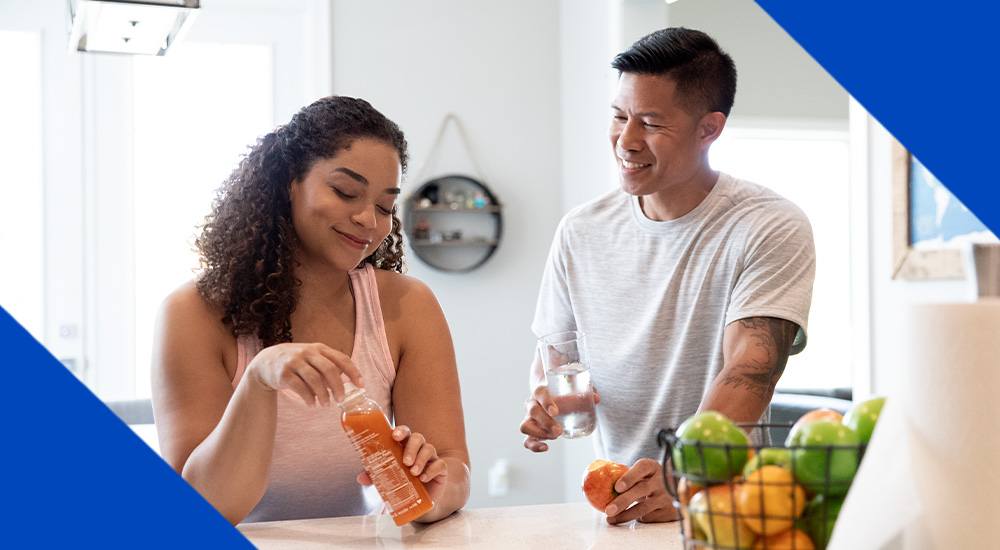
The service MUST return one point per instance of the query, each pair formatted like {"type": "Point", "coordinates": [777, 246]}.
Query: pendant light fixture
{"type": "Point", "coordinates": [146, 27]}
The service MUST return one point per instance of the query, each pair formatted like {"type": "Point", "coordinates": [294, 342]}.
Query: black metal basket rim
{"type": "Point", "coordinates": [697, 480]}
{"type": "Point", "coordinates": [666, 436]}
{"type": "Point", "coordinates": [666, 432]}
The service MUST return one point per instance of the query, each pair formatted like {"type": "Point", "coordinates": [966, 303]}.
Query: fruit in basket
{"type": "Point", "coordinates": [819, 518]}
{"type": "Point", "coordinates": [770, 500]}
{"type": "Point", "coordinates": [599, 482]}
{"type": "Point", "coordinates": [713, 511]}
{"type": "Point", "coordinates": [701, 452]}
{"type": "Point", "coordinates": [862, 417]}
{"type": "Point", "coordinates": [831, 448]}
{"type": "Point", "coordinates": [788, 540]}
{"type": "Point", "coordinates": [686, 490]}
{"type": "Point", "coordinates": [769, 456]}
{"type": "Point", "coordinates": [810, 417]}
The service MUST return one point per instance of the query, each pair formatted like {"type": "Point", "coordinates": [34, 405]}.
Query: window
{"type": "Point", "coordinates": [21, 219]}
{"type": "Point", "coordinates": [183, 152]}
{"type": "Point", "coordinates": [809, 167]}
{"type": "Point", "coordinates": [176, 130]}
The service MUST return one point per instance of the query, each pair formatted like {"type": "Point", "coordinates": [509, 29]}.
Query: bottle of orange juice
{"type": "Point", "coordinates": [382, 456]}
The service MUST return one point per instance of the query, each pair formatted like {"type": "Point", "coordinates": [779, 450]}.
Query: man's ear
{"type": "Point", "coordinates": [710, 127]}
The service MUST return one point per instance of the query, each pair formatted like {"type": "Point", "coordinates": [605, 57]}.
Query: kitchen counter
{"type": "Point", "coordinates": [545, 527]}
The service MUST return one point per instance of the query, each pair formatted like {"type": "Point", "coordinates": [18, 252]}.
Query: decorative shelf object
{"type": "Point", "coordinates": [456, 209]}
{"type": "Point", "coordinates": [459, 242]}
{"type": "Point", "coordinates": [453, 223]}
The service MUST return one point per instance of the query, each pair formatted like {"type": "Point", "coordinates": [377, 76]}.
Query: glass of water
{"type": "Point", "coordinates": [567, 373]}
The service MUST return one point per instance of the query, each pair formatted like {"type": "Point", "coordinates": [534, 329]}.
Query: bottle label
{"type": "Point", "coordinates": [388, 476]}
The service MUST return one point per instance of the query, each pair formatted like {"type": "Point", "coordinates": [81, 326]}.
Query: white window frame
{"type": "Point", "coordinates": [62, 191]}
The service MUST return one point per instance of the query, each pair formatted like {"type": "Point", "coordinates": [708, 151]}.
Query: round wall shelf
{"type": "Point", "coordinates": [453, 223]}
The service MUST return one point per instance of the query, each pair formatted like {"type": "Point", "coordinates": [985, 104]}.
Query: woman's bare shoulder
{"type": "Point", "coordinates": [186, 313]}
{"type": "Point", "coordinates": [404, 290]}
{"type": "Point", "coordinates": [187, 302]}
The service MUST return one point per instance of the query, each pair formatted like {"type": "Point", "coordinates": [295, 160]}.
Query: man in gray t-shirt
{"type": "Point", "coordinates": [692, 287]}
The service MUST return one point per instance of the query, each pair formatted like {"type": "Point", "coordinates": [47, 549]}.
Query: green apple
{"type": "Point", "coordinates": [825, 457]}
{"type": "Point", "coordinates": [819, 518]}
{"type": "Point", "coordinates": [862, 417]}
{"type": "Point", "coordinates": [710, 448]}
{"type": "Point", "coordinates": [769, 456]}
{"type": "Point", "coordinates": [810, 417]}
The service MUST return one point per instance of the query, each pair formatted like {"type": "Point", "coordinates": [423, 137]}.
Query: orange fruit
{"type": "Point", "coordinates": [787, 540]}
{"type": "Point", "coordinates": [770, 500]}
{"type": "Point", "coordinates": [686, 490]}
{"type": "Point", "coordinates": [712, 511]}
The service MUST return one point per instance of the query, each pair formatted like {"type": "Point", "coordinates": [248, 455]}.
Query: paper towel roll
{"type": "Point", "coordinates": [982, 265]}
{"type": "Point", "coordinates": [931, 476]}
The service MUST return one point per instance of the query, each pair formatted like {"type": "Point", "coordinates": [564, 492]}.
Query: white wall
{"type": "Point", "coordinates": [496, 66]}
{"type": "Point", "coordinates": [590, 36]}
{"type": "Point", "coordinates": [777, 78]}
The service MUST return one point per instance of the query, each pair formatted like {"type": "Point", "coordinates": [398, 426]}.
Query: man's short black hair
{"type": "Point", "coordinates": [705, 75]}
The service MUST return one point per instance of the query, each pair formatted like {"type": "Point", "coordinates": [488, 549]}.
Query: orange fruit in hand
{"type": "Point", "coordinates": [770, 500]}
{"type": "Point", "coordinates": [599, 482]}
{"type": "Point", "coordinates": [788, 540]}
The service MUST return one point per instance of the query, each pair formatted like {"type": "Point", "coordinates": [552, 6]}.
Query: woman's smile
{"type": "Point", "coordinates": [354, 241]}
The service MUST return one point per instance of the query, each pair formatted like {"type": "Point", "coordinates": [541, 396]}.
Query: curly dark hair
{"type": "Point", "coordinates": [247, 243]}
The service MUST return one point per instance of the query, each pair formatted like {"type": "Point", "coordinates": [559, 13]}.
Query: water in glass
{"type": "Point", "coordinates": [569, 386]}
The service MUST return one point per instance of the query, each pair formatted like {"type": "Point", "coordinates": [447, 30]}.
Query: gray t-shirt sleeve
{"type": "Point", "coordinates": [554, 309]}
{"type": "Point", "coordinates": [779, 267]}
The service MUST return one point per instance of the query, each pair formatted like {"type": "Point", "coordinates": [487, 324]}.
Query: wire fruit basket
{"type": "Point", "coordinates": [755, 497]}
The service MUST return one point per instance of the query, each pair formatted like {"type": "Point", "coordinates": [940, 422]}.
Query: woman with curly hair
{"type": "Point", "coordinates": [301, 284]}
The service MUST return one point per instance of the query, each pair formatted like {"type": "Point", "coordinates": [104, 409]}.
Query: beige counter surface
{"type": "Point", "coordinates": [543, 527]}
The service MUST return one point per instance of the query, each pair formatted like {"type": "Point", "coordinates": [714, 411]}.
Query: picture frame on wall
{"type": "Point", "coordinates": [930, 227]}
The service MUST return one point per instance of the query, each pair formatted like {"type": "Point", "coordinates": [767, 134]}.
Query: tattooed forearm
{"type": "Point", "coordinates": [753, 382]}
{"type": "Point", "coordinates": [766, 343]}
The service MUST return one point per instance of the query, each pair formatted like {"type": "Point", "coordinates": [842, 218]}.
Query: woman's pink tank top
{"type": "Point", "coordinates": [314, 470]}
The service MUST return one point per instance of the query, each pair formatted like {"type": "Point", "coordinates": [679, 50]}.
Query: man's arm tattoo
{"type": "Point", "coordinates": [764, 362]}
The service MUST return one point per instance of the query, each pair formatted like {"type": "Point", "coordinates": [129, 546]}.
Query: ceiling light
{"type": "Point", "coordinates": [131, 27]}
